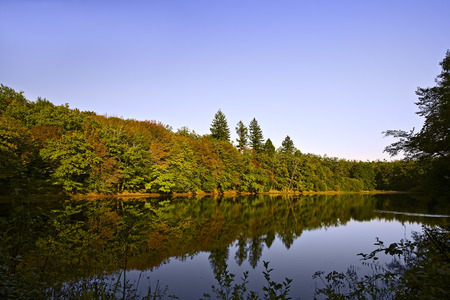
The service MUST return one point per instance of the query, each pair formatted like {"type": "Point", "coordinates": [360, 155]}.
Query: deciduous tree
{"type": "Point", "coordinates": [433, 140]}
{"type": "Point", "coordinates": [431, 145]}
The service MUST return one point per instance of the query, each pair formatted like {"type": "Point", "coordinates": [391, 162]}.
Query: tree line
{"type": "Point", "coordinates": [53, 148]}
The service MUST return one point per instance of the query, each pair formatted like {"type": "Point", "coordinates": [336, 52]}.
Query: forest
{"type": "Point", "coordinates": [50, 148]}
{"type": "Point", "coordinates": [47, 148]}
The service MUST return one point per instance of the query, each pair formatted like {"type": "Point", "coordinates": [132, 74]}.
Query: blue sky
{"type": "Point", "coordinates": [330, 74]}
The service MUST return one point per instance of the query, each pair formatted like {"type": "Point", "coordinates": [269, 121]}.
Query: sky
{"type": "Point", "coordinates": [333, 75]}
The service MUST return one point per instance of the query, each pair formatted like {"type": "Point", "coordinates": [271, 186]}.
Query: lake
{"type": "Point", "coordinates": [186, 244]}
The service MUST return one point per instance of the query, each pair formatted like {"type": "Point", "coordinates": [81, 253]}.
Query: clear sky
{"type": "Point", "coordinates": [330, 74]}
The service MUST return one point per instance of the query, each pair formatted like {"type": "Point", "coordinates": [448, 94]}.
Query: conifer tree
{"type": "Point", "coordinates": [256, 136]}
{"type": "Point", "coordinates": [242, 133]}
{"type": "Point", "coordinates": [219, 127]}
{"type": "Point", "coordinates": [287, 146]}
{"type": "Point", "coordinates": [269, 148]}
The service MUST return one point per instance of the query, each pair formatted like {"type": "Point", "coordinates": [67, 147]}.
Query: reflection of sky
{"type": "Point", "coordinates": [190, 277]}
{"type": "Point", "coordinates": [326, 249]}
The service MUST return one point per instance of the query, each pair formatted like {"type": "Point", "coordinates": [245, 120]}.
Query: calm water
{"type": "Point", "coordinates": [327, 238]}
{"type": "Point", "coordinates": [184, 243]}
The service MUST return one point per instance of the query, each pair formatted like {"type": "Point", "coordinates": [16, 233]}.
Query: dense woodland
{"type": "Point", "coordinates": [45, 147]}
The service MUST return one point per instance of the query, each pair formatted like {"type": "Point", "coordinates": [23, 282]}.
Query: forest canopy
{"type": "Point", "coordinates": [50, 148]}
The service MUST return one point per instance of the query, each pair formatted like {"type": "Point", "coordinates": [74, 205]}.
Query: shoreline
{"type": "Point", "coordinates": [227, 194]}
{"type": "Point", "coordinates": [96, 196]}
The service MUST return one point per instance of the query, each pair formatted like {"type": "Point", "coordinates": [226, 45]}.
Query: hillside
{"type": "Point", "coordinates": [45, 147]}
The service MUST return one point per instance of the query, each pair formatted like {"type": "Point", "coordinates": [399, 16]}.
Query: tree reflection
{"type": "Point", "coordinates": [242, 251]}
{"type": "Point", "coordinates": [218, 261]}
{"type": "Point", "coordinates": [255, 251]}
{"type": "Point", "coordinates": [270, 237]}
{"type": "Point", "coordinates": [78, 239]}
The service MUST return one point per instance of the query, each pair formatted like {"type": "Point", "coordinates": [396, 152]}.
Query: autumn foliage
{"type": "Point", "coordinates": [44, 147]}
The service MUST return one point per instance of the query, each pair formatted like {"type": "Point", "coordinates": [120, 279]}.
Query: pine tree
{"type": "Point", "coordinates": [269, 148]}
{"type": "Point", "coordinates": [256, 136]}
{"type": "Point", "coordinates": [287, 146]}
{"type": "Point", "coordinates": [242, 133]}
{"type": "Point", "coordinates": [219, 127]}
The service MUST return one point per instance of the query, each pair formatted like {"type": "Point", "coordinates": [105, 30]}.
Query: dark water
{"type": "Point", "coordinates": [185, 243]}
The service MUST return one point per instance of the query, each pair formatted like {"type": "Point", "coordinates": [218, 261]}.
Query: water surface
{"type": "Point", "coordinates": [187, 243]}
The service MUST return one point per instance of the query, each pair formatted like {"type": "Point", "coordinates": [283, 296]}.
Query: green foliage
{"type": "Point", "coordinates": [219, 127]}
{"type": "Point", "coordinates": [184, 131]}
{"type": "Point", "coordinates": [274, 290]}
{"type": "Point", "coordinates": [10, 97]}
{"type": "Point", "coordinates": [44, 147]}
{"type": "Point", "coordinates": [287, 146]}
{"type": "Point", "coordinates": [433, 140]}
{"type": "Point", "coordinates": [419, 270]}
{"type": "Point", "coordinates": [365, 174]}
{"type": "Point", "coordinates": [348, 285]}
{"type": "Point", "coordinates": [242, 133]}
{"type": "Point", "coordinates": [99, 287]}
{"type": "Point", "coordinates": [227, 291]}
{"type": "Point", "coordinates": [269, 148]}
{"type": "Point", "coordinates": [431, 145]}
{"type": "Point", "coordinates": [163, 182]}
{"type": "Point", "coordinates": [15, 147]}
{"type": "Point", "coordinates": [80, 165]}
{"type": "Point", "coordinates": [255, 136]}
